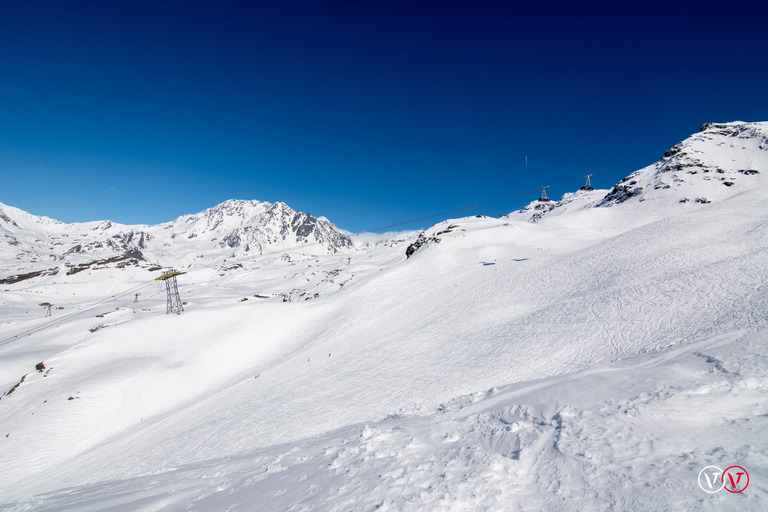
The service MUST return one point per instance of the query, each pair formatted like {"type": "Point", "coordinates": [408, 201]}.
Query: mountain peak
{"type": "Point", "coordinates": [718, 161]}
{"type": "Point", "coordinates": [741, 129]}
{"type": "Point", "coordinates": [250, 225]}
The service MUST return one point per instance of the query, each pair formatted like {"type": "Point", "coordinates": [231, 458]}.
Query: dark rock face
{"type": "Point", "coordinates": [619, 194]}
{"type": "Point", "coordinates": [231, 240]}
{"type": "Point", "coordinates": [29, 275]}
{"type": "Point", "coordinates": [133, 253]}
{"type": "Point", "coordinates": [130, 242]}
{"type": "Point", "coordinates": [622, 191]}
{"type": "Point", "coordinates": [303, 225]}
{"type": "Point", "coordinates": [420, 242]}
{"type": "Point", "coordinates": [737, 131]}
{"type": "Point", "coordinates": [7, 219]}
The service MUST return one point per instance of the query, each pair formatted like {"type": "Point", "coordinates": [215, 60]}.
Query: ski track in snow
{"type": "Point", "coordinates": [486, 450]}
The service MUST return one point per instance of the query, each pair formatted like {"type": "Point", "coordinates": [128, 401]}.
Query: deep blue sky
{"type": "Point", "coordinates": [366, 112]}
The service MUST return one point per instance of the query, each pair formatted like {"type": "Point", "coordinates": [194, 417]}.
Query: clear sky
{"type": "Point", "coordinates": [367, 112]}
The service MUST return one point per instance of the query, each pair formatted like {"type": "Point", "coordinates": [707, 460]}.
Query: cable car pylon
{"type": "Point", "coordinates": [543, 198]}
{"type": "Point", "coordinates": [588, 184]}
{"type": "Point", "coordinates": [173, 304]}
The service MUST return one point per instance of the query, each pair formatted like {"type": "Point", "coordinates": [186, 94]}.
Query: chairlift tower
{"type": "Point", "coordinates": [173, 304]}
{"type": "Point", "coordinates": [588, 185]}
{"type": "Point", "coordinates": [47, 306]}
{"type": "Point", "coordinates": [544, 198]}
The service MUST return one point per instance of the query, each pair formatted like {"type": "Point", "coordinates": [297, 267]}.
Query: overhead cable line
{"type": "Point", "coordinates": [513, 196]}
{"type": "Point", "coordinates": [446, 212]}
{"type": "Point", "coordinates": [284, 250]}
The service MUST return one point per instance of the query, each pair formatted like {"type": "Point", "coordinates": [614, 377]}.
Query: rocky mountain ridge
{"type": "Point", "coordinates": [719, 161]}
{"type": "Point", "coordinates": [233, 228]}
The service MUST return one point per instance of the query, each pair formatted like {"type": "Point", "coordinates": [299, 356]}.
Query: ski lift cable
{"type": "Point", "coordinates": [513, 196]}
{"type": "Point", "coordinates": [284, 250]}
{"type": "Point", "coordinates": [524, 193]}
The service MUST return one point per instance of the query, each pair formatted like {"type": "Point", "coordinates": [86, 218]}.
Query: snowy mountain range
{"type": "Point", "coordinates": [34, 245]}
{"type": "Point", "coordinates": [596, 352]}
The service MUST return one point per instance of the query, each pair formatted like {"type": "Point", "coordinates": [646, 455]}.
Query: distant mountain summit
{"type": "Point", "coordinates": [249, 226]}
{"type": "Point", "coordinates": [30, 244]}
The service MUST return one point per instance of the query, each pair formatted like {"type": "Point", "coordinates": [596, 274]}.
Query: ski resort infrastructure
{"type": "Point", "coordinates": [606, 350]}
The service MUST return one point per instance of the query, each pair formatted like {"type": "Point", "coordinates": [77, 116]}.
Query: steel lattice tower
{"type": "Point", "coordinates": [173, 304]}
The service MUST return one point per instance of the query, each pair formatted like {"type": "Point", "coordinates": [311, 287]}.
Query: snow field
{"type": "Point", "coordinates": [455, 324]}
{"type": "Point", "coordinates": [609, 438]}
{"type": "Point", "coordinates": [597, 359]}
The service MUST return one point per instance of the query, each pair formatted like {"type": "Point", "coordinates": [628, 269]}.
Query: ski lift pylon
{"type": "Point", "coordinates": [543, 198]}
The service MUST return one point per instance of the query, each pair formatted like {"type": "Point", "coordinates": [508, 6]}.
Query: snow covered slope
{"type": "Point", "coordinates": [597, 358]}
